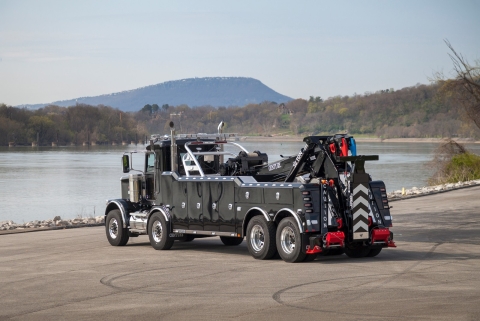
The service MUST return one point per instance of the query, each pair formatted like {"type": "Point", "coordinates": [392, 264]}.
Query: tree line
{"type": "Point", "coordinates": [414, 112]}
{"type": "Point", "coordinates": [67, 125]}
{"type": "Point", "coordinates": [417, 111]}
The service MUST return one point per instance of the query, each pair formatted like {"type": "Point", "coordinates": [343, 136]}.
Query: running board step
{"type": "Point", "coordinates": [209, 233]}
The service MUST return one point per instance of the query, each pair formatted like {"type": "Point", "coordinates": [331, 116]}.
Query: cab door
{"type": "Point", "coordinates": [150, 193]}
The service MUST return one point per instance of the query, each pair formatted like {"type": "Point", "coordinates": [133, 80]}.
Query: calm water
{"type": "Point", "coordinates": [41, 183]}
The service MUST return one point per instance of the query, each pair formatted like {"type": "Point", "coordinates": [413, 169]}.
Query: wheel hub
{"type": "Point", "coordinates": [157, 231]}
{"type": "Point", "coordinates": [287, 240]}
{"type": "Point", "coordinates": [257, 238]}
{"type": "Point", "coordinates": [113, 228]}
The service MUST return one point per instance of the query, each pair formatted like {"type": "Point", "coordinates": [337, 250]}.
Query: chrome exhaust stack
{"type": "Point", "coordinates": [220, 128]}
{"type": "Point", "coordinates": [173, 148]}
{"type": "Point", "coordinates": [220, 132]}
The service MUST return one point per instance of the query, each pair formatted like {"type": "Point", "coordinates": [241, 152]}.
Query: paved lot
{"type": "Point", "coordinates": [434, 274]}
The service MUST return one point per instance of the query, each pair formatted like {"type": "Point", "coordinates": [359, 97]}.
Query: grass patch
{"type": "Point", "coordinates": [453, 163]}
{"type": "Point", "coordinates": [463, 167]}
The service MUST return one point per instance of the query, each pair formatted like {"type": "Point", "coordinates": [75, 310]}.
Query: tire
{"type": "Point", "coordinates": [310, 257]}
{"type": "Point", "coordinates": [117, 235]}
{"type": "Point", "coordinates": [374, 252]}
{"type": "Point", "coordinates": [231, 241]}
{"type": "Point", "coordinates": [289, 241]}
{"type": "Point", "coordinates": [261, 238]}
{"type": "Point", "coordinates": [187, 238]}
{"type": "Point", "coordinates": [335, 251]}
{"type": "Point", "coordinates": [357, 251]}
{"type": "Point", "coordinates": [158, 232]}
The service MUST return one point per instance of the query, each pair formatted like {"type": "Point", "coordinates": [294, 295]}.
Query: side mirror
{"type": "Point", "coordinates": [126, 163]}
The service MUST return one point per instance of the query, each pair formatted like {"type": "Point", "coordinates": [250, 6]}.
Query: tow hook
{"type": "Point", "coordinates": [315, 249]}
{"type": "Point", "coordinates": [391, 243]}
{"type": "Point", "coordinates": [329, 240]}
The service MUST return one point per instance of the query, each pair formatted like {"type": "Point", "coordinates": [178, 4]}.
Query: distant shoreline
{"type": "Point", "coordinates": [291, 138]}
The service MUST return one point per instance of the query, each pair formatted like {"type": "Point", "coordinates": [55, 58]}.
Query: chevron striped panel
{"type": "Point", "coordinates": [360, 211]}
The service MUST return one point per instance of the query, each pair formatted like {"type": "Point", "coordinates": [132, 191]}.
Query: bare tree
{"type": "Point", "coordinates": [464, 89]}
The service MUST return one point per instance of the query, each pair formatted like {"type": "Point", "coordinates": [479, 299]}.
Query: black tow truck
{"type": "Point", "coordinates": [319, 202]}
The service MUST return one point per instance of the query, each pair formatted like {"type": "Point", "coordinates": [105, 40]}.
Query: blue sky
{"type": "Point", "coordinates": [55, 50]}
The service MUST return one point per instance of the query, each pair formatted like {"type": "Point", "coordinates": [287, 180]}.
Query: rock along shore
{"type": "Point", "coordinates": [427, 190]}
{"type": "Point", "coordinates": [7, 227]}
{"type": "Point", "coordinates": [56, 223]}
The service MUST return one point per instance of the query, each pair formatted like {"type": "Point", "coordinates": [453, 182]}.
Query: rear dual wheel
{"type": "Point", "coordinates": [289, 242]}
{"type": "Point", "coordinates": [231, 241]}
{"type": "Point", "coordinates": [334, 251]}
{"type": "Point", "coordinates": [374, 252]}
{"type": "Point", "coordinates": [358, 251]}
{"type": "Point", "coordinates": [261, 238]}
{"type": "Point", "coordinates": [310, 257]}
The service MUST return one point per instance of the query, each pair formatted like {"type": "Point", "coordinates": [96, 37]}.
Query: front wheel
{"type": "Point", "coordinates": [158, 232]}
{"type": "Point", "coordinates": [289, 241]}
{"type": "Point", "coordinates": [231, 241]}
{"type": "Point", "coordinates": [261, 238]}
{"type": "Point", "coordinates": [117, 235]}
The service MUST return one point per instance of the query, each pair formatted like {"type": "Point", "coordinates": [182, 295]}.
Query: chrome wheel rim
{"type": "Point", "coordinates": [157, 231]}
{"type": "Point", "coordinates": [257, 238]}
{"type": "Point", "coordinates": [113, 228]}
{"type": "Point", "coordinates": [287, 240]}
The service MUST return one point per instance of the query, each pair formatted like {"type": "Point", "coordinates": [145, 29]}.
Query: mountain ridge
{"type": "Point", "coordinates": [194, 92]}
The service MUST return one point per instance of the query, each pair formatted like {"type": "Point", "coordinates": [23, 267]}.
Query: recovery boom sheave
{"type": "Point", "coordinates": [320, 201]}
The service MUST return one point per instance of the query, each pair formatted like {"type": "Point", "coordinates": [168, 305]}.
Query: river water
{"type": "Point", "coordinates": [38, 183]}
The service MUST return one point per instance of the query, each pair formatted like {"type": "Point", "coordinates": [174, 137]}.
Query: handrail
{"type": "Point", "coordinates": [192, 154]}
{"type": "Point", "coordinates": [200, 170]}
{"type": "Point", "coordinates": [187, 171]}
